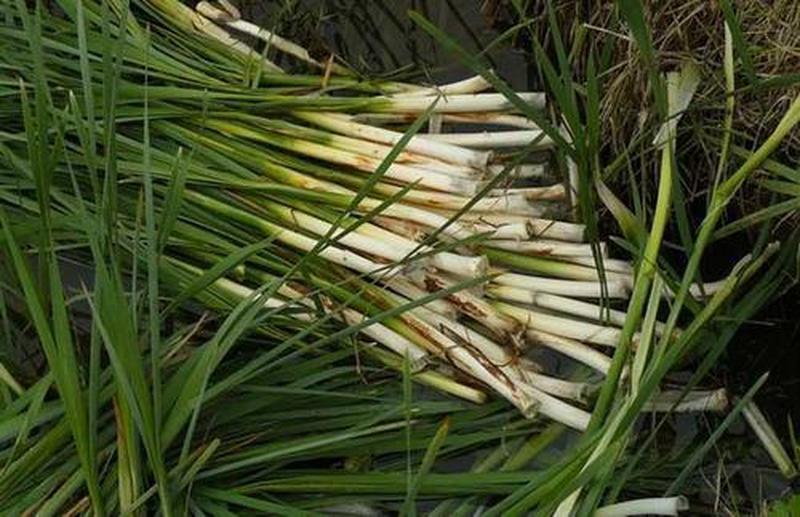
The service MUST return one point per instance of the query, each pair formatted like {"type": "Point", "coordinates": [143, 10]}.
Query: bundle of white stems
{"type": "Point", "coordinates": [486, 332]}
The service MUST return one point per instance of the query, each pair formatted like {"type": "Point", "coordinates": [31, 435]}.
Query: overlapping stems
{"type": "Point", "coordinates": [453, 254]}
{"type": "Point", "coordinates": [485, 230]}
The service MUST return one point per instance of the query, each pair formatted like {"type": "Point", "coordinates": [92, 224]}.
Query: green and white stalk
{"type": "Point", "coordinates": [511, 204]}
{"type": "Point", "coordinates": [577, 391]}
{"type": "Point", "coordinates": [412, 245]}
{"type": "Point", "coordinates": [241, 292]}
{"type": "Point", "coordinates": [609, 264]}
{"type": "Point", "coordinates": [547, 247]}
{"type": "Point", "coordinates": [432, 378]}
{"type": "Point", "coordinates": [453, 169]}
{"type": "Point", "coordinates": [517, 204]}
{"type": "Point", "coordinates": [213, 31]}
{"type": "Point", "coordinates": [574, 288]}
{"type": "Point", "coordinates": [384, 336]}
{"type": "Point", "coordinates": [559, 410]}
{"type": "Point", "coordinates": [517, 368]}
{"type": "Point", "coordinates": [344, 124]}
{"type": "Point", "coordinates": [374, 241]}
{"type": "Point", "coordinates": [514, 231]}
{"type": "Point", "coordinates": [497, 354]}
{"type": "Point", "coordinates": [493, 119]}
{"type": "Point", "coordinates": [411, 231]}
{"type": "Point", "coordinates": [234, 21]}
{"type": "Point", "coordinates": [537, 227]}
{"type": "Point", "coordinates": [469, 303]}
{"type": "Point", "coordinates": [370, 149]}
{"type": "Point", "coordinates": [643, 353]}
{"type": "Point", "coordinates": [540, 387]}
{"type": "Point", "coordinates": [396, 171]}
{"type": "Point", "coordinates": [472, 84]}
{"type": "Point", "coordinates": [538, 265]}
{"type": "Point", "coordinates": [296, 240]}
{"type": "Point", "coordinates": [571, 348]}
{"type": "Point", "coordinates": [472, 361]}
{"type": "Point", "coordinates": [699, 291]}
{"type": "Point", "coordinates": [466, 103]}
{"type": "Point", "coordinates": [335, 254]}
{"type": "Point", "coordinates": [495, 139]}
{"type": "Point", "coordinates": [651, 506]}
{"type": "Point", "coordinates": [405, 287]}
{"type": "Point", "coordinates": [488, 118]}
{"type": "Point", "coordinates": [523, 228]}
{"type": "Point", "coordinates": [418, 215]}
{"type": "Point", "coordinates": [376, 331]}
{"type": "Point", "coordinates": [574, 329]}
{"type": "Point", "coordinates": [504, 203]}
{"type": "Point", "coordinates": [558, 230]}
{"type": "Point", "coordinates": [563, 304]}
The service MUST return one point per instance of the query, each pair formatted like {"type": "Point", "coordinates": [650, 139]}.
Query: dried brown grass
{"type": "Point", "coordinates": [693, 31]}
{"type": "Point", "coordinates": [682, 31]}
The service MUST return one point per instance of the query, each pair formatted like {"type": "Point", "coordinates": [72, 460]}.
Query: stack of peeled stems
{"type": "Point", "coordinates": [457, 218]}
{"type": "Point", "coordinates": [534, 280]}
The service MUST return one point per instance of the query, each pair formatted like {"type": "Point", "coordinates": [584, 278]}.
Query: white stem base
{"type": "Point", "coordinates": [652, 506]}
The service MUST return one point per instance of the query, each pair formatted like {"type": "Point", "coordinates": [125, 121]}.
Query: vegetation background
{"type": "Point", "coordinates": [174, 397]}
